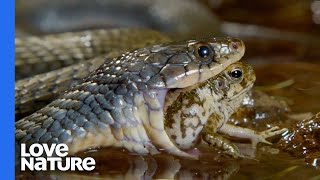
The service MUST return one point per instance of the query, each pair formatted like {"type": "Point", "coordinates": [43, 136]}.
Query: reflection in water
{"type": "Point", "coordinates": [115, 164]}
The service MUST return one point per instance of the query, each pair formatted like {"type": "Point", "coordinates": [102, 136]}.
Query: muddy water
{"type": "Point", "coordinates": [302, 94]}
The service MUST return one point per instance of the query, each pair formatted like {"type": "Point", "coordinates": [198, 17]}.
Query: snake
{"type": "Point", "coordinates": [136, 100]}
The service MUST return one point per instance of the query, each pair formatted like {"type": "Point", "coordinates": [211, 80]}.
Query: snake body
{"type": "Point", "coordinates": [62, 60]}
{"type": "Point", "coordinates": [40, 54]}
{"type": "Point", "coordinates": [121, 103]}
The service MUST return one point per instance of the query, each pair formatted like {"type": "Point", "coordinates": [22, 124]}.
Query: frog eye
{"type": "Point", "coordinates": [236, 73]}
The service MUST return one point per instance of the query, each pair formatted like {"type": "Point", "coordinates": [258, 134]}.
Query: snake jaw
{"type": "Point", "coordinates": [161, 96]}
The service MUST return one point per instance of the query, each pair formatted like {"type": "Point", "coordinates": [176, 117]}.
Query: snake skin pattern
{"type": "Point", "coordinates": [36, 55]}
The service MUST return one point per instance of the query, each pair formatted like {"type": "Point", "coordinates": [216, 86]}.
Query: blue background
{"type": "Point", "coordinates": [7, 89]}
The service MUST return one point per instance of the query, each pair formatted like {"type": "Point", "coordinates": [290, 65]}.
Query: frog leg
{"type": "Point", "coordinates": [254, 136]}
{"type": "Point", "coordinates": [216, 140]}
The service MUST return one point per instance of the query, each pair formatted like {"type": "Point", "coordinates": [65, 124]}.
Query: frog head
{"type": "Point", "coordinates": [233, 82]}
{"type": "Point", "coordinates": [230, 87]}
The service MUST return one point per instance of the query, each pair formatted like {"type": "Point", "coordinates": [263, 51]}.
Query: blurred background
{"type": "Point", "coordinates": [293, 23]}
{"type": "Point", "coordinates": [282, 43]}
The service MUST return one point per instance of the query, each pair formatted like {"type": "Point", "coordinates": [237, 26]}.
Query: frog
{"type": "Point", "coordinates": [201, 112]}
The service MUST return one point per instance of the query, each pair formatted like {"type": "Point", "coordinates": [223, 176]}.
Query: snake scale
{"type": "Point", "coordinates": [38, 55]}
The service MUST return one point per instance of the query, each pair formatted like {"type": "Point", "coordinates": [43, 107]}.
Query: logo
{"type": "Point", "coordinates": [41, 157]}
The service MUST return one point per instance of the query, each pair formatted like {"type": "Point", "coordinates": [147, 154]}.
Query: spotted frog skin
{"type": "Point", "coordinates": [125, 102]}
{"type": "Point", "coordinates": [201, 111]}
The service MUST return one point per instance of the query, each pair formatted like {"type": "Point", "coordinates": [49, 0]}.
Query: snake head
{"type": "Point", "coordinates": [187, 63]}
{"type": "Point", "coordinates": [218, 49]}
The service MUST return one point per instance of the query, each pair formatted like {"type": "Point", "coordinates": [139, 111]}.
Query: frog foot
{"type": "Point", "coordinates": [262, 136]}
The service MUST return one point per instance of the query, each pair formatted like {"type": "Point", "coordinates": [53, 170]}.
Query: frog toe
{"type": "Point", "coordinates": [266, 134]}
{"type": "Point", "coordinates": [273, 131]}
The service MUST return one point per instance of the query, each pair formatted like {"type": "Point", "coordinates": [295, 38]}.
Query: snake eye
{"type": "Point", "coordinates": [204, 51]}
{"type": "Point", "coordinates": [236, 73]}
